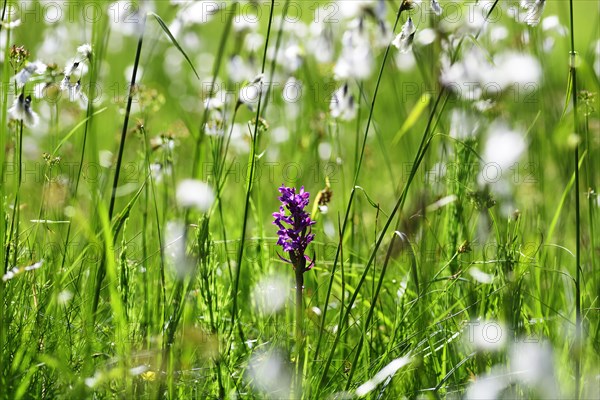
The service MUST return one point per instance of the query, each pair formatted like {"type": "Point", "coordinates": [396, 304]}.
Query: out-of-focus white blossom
{"type": "Point", "coordinates": [385, 373]}
{"type": "Point", "coordinates": [463, 124]}
{"type": "Point", "coordinates": [36, 67]}
{"type": "Point", "coordinates": [196, 194]}
{"type": "Point", "coordinates": [8, 25]}
{"type": "Point", "coordinates": [480, 276]}
{"type": "Point", "coordinates": [320, 42]}
{"type": "Point", "coordinates": [342, 104]}
{"type": "Point", "coordinates": [474, 77]}
{"type": "Point", "coordinates": [503, 149]}
{"type": "Point", "coordinates": [18, 270]}
{"type": "Point", "coordinates": [356, 59]}
{"type": "Point", "coordinates": [271, 293]}
{"type": "Point", "coordinates": [174, 249]}
{"type": "Point", "coordinates": [533, 11]}
{"type": "Point", "coordinates": [361, 8]}
{"type": "Point", "coordinates": [503, 146]}
{"type": "Point", "coordinates": [533, 365]}
{"type": "Point", "coordinates": [488, 386]}
{"type": "Point", "coordinates": [425, 37]}
{"type": "Point", "coordinates": [269, 372]}
{"type": "Point", "coordinates": [240, 70]}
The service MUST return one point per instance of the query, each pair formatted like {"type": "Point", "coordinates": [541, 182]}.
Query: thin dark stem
{"type": "Point", "coordinates": [13, 234]}
{"type": "Point", "coordinates": [17, 205]}
{"type": "Point", "coordinates": [274, 62]}
{"type": "Point", "coordinates": [88, 124]}
{"type": "Point", "coordinates": [111, 209]}
{"type": "Point", "coordinates": [397, 210]}
{"type": "Point", "coordinates": [215, 72]}
{"type": "Point", "coordinates": [356, 175]}
{"type": "Point", "coordinates": [136, 63]}
{"type": "Point", "coordinates": [578, 321]}
{"type": "Point", "coordinates": [234, 308]}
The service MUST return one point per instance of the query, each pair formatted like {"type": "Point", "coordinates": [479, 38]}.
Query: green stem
{"type": "Point", "coordinates": [234, 308]}
{"type": "Point", "coordinates": [13, 234]}
{"type": "Point", "coordinates": [111, 209]}
{"type": "Point", "coordinates": [215, 73]}
{"type": "Point", "coordinates": [348, 208]}
{"type": "Point", "coordinates": [578, 321]}
{"type": "Point", "coordinates": [299, 327]}
{"type": "Point", "coordinates": [274, 62]}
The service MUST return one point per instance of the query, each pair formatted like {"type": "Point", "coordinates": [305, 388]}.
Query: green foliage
{"type": "Point", "coordinates": [447, 230]}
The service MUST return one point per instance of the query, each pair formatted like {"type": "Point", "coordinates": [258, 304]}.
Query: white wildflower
{"type": "Point", "coordinates": [325, 150]}
{"type": "Point", "coordinates": [360, 8]}
{"type": "Point", "coordinates": [269, 373]}
{"type": "Point", "coordinates": [463, 125]}
{"type": "Point", "coordinates": [425, 37]}
{"type": "Point", "coordinates": [106, 158]}
{"type": "Point", "coordinates": [386, 372]}
{"type": "Point", "coordinates": [488, 386]}
{"type": "Point", "coordinates": [512, 68]}
{"type": "Point", "coordinates": [474, 77]}
{"type": "Point", "coordinates": [64, 297]}
{"type": "Point", "coordinates": [240, 139]}
{"type": "Point", "coordinates": [280, 134]}
{"type": "Point", "coordinates": [534, 10]}
{"type": "Point", "coordinates": [240, 70]}
{"type": "Point", "coordinates": [291, 57]}
{"type": "Point", "coordinates": [435, 6]}
{"type": "Point", "coordinates": [84, 51]}
{"type": "Point", "coordinates": [533, 365]}
{"type": "Point", "coordinates": [193, 193]}
{"type": "Point", "coordinates": [8, 25]}
{"type": "Point", "coordinates": [405, 61]}
{"type": "Point", "coordinates": [250, 93]}
{"type": "Point", "coordinates": [140, 369]}
{"type": "Point", "coordinates": [16, 270]}
{"type": "Point", "coordinates": [128, 20]}
{"type": "Point", "coordinates": [552, 24]}
{"type": "Point", "coordinates": [480, 276]}
{"type": "Point", "coordinates": [213, 103]}
{"type": "Point", "coordinates": [498, 33]}
{"type": "Point", "coordinates": [36, 67]}
{"type": "Point", "coordinates": [199, 12]}
{"type": "Point", "coordinates": [403, 41]}
{"type": "Point", "coordinates": [503, 147]}
{"type": "Point", "coordinates": [247, 23]}
{"type": "Point", "coordinates": [356, 59]}
{"type": "Point", "coordinates": [321, 43]}
{"type": "Point", "coordinates": [159, 171]}
{"type": "Point", "coordinates": [342, 104]}
{"type": "Point", "coordinates": [174, 249]}
{"type": "Point", "coordinates": [72, 67]}
{"type": "Point", "coordinates": [21, 110]}
{"type": "Point", "coordinates": [270, 294]}
{"type": "Point", "coordinates": [253, 42]}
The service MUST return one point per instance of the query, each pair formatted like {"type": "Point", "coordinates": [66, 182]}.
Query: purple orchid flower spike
{"type": "Point", "coordinates": [294, 225]}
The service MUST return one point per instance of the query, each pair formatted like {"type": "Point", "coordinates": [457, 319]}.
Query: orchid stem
{"type": "Point", "coordinates": [299, 326]}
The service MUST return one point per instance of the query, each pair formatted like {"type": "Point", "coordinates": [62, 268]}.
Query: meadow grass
{"type": "Point", "coordinates": [451, 156]}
